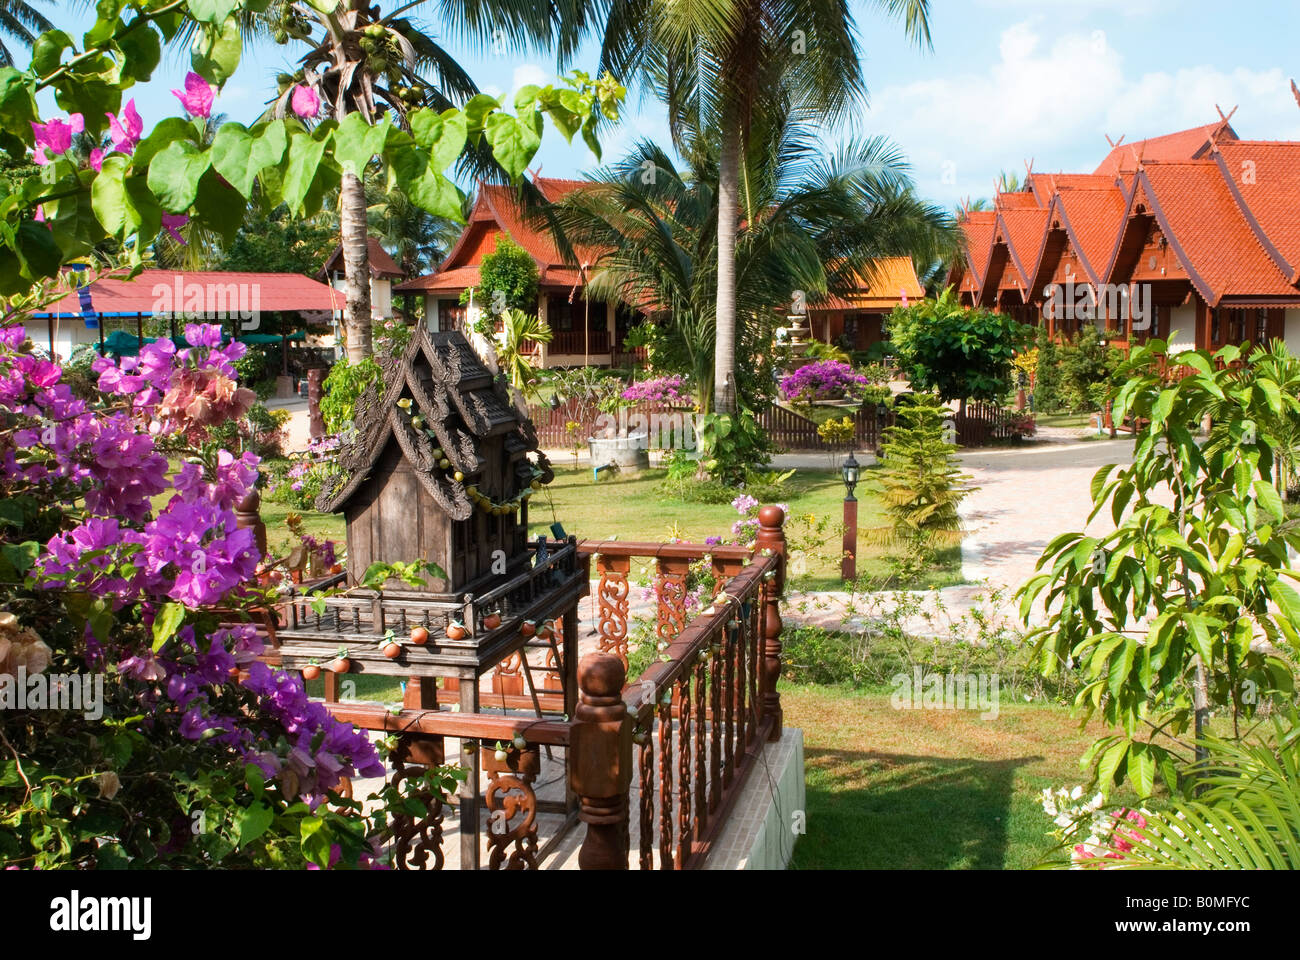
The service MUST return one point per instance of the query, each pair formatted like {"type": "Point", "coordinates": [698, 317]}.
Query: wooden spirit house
{"type": "Point", "coordinates": [440, 468]}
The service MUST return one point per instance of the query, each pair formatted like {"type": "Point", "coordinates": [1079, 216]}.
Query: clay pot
{"type": "Point", "coordinates": [419, 636]}
{"type": "Point", "coordinates": [392, 650]}
{"type": "Point", "coordinates": [455, 631]}
{"type": "Point", "coordinates": [311, 671]}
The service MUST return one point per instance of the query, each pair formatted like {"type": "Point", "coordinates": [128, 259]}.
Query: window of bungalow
{"type": "Point", "coordinates": [851, 328]}
{"type": "Point", "coordinates": [559, 313]}
{"type": "Point", "coordinates": [1261, 326]}
{"type": "Point", "coordinates": [1216, 327]}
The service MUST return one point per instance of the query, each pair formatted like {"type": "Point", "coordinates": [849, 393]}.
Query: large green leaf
{"type": "Point", "coordinates": [514, 144]}
{"type": "Point", "coordinates": [240, 154]}
{"type": "Point", "coordinates": [357, 142]}
{"type": "Point", "coordinates": [175, 173]}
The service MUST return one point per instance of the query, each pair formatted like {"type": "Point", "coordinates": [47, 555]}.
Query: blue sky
{"type": "Point", "coordinates": [1007, 81]}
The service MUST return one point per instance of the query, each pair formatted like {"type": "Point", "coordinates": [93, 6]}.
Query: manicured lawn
{"type": "Point", "coordinates": [631, 508]}
{"type": "Point", "coordinates": [928, 789]}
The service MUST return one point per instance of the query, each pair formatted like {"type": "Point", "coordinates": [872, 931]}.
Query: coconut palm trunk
{"type": "Point", "coordinates": [356, 268]}
{"type": "Point", "coordinates": [724, 354]}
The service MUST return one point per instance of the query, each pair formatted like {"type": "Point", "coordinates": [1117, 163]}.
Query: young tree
{"type": "Point", "coordinates": [1188, 605]}
{"type": "Point", "coordinates": [962, 354]}
{"type": "Point", "coordinates": [923, 486]}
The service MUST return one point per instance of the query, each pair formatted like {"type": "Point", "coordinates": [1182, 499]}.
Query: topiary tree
{"type": "Point", "coordinates": [923, 486]}
{"type": "Point", "coordinates": [961, 354]}
{"type": "Point", "coordinates": [508, 280]}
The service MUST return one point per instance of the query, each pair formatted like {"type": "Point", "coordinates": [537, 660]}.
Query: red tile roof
{"type": "Point", "coordinates": [1266, 175]}
{"type": "Point", "coordinates": [978, 227]}
{"type": "Point", "coordinates": [1025, 231]}
{"type": "Point", "coordinates": [1172, 147]}
{"type": "Point", "coordinates": [1092, 219]}
{"type": "Point", "coordinates": [1223, 256]}
{"type": "Point", "coordinates": [381, 264]}
{"type": "Point", "coordinates": [158, 292]}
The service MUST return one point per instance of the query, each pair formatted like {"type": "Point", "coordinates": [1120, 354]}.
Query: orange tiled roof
{"type": "Point", "coordinates": [1266, 176]}
{"type": "Point", "coordinates": [978, 227]}
{"type": "Point", "coordinates": [1172, 147]}
{"type": "Point", "coordinates": [1223, 256]}
{"type": "Point", "coordinates": [1093, 219]}
{"type": "Point", "coordinates": [893, 279]}
{"type": "Point", "coordinates": [1025, 231]}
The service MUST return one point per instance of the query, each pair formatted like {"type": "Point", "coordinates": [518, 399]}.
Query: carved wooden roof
{"type": "Point", "coordinates": [462, 405]}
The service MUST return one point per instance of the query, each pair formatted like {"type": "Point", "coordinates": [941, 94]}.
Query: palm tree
{"type": "Point", "coordinates": [22, 22]}
{"type": "Point", "coordinates": [518, 329]}
{"type": "Point", "coordinates": [417, 239]}
{"type": "Point", "coordinates": [721, 65]}
{"type": "Point", "coordinates": [818, 224]}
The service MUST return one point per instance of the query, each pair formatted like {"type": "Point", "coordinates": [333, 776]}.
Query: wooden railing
{"type": "Point", "coordinates": [689, 729]}
{"type": "Point", "coordinates": [692, 726]}
{"type": "Point", "coordinates": [575, 343]}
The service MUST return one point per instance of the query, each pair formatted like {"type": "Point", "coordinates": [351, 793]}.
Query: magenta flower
{"type": "Point", "coordinates": [172, 222]}
{"type": "Point", "coordinates": [126, 129]}
{"type": "Point", "coordinates": [305, 102]}
{"type": "Point", "coordinates": [56, 137]}
{"type": "Point", "coordinates": [197, 98]}
{"type": "Point", "coordinates": [97, 159]}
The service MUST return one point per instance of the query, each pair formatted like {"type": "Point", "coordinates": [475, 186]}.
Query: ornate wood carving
{"type": "Point", "coordinates": [665, 786]}
{"type": "Point", "coordinates": [611, 627]}
{"type": "Point", "coordinates": [646, 768]}
{"type": "Point", "coordinates": [417, 839]}
{"type": "Point", "coordinates": [682, 690]}
{"type": "Point", "coordinates": [670, 590]}
{"type": "Point", "coordinates": [512, 808]}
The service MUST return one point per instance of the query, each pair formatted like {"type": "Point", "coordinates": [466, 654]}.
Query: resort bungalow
{"type": "Point", "coordinates": [593, 332]}
{"type": "Point", "coordinates": [1190, 238]}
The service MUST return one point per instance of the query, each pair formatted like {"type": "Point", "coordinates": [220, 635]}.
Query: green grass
{"type": "Point", "coordinates": [631, 508]}
{"type": "Point", "coordinates": [928, 789]}
{"type": "Point", "coordinates": [1071, 421]}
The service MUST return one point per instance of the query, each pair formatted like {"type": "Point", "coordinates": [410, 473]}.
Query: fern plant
{"type": "Point", "coordinates": [923, 486]}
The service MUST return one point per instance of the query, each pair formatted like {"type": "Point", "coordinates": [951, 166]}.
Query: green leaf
{"type": "Point", "coordinates": [254, 779]}
{"type": "Point", "coordinates": [216, 54]}
{"type": "Point", "coordinates": [305, 153]}
{"type": "Point", "coordinates": [357, 142]}
{"type": "Point", "coordinates": [1269, 499]}
{"type": "Point", "coordinates": [20, 557]}
{"type": "Point", "coordinates": [166, 623]}
{"type": "Point", "coordinates": [141, 48]}
{"type": "Point", "coordinates": [175, 173]}
{"type": "Point", "coordinates": [253, 821]}
{"type": "Point", "coordinates": [441, 134]}
{"type": "Point", "coordinates": [1142, 769]}
{"type": "Point", "coordinates": [220, 207]}
{"type": "Point", "coordinates": [216, 11]}
{"type": "Point", "coordinates": [124, 205]}
{"type": "Point", "coordinates": [514, 144]}
{"type": "Point", "coordinates": [240, 154]}
{"type": "Point", "coordinates": [1200, 631]}
{"type": "Point", "coordinates": [1120, 666]}
{"type": "Point", "coordinates": [1110, 763]}
{"type": "Point", "coordinates": [315, 841]}
{"type": "Point", "coordinates": [47, 51]}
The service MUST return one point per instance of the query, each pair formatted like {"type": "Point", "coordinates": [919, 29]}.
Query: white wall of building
{"type": "Point", "coordinates": [1291, 329]}
{"type": "Point", "coordinates": [1182, 328]}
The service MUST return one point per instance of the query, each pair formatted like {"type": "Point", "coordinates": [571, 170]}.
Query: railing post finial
{"type": "Point", "coordinates": [600, 761]}
{"type": "Point", "coordinates": [771, 536]}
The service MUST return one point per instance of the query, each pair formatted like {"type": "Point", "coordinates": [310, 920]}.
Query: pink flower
{"type": "Point", "coordinates": [97, 158]}
{"type": "Point", "coordinates": [56, 136]}
{"type": "Point", "coordinates": [174, 221]}
{"type": "Point", "coordinates": [197, 98]}
{"type": "Point", "coordinates": [126, 129]}
{"type": "Point", "coordinates": [305, 102]}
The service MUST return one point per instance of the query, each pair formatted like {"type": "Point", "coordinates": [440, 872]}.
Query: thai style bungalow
{"type": "Point", "coordinates": [593, 332]}
{"type": "Point", "coordinates": [1192, 238]}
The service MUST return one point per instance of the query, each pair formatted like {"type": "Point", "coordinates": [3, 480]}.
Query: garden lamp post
{"type": "Point", "coordinates": [849, 470]}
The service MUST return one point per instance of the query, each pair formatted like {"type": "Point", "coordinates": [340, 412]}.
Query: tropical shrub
{"type": "Point", "coordinates": [1187, 606]}
{"type": "Point", "coordinates": [518, 328]}
{"type": "Point", "coordinates": [669, 391]}
{"type": "Point", "coordinates": [342, 387]}
{"type": "Point", "coordinates": [959, 353]}
{"type": "Point", "coordinates": [507, 280]}
{"type": "Point", "coordinates": [1087, 367]}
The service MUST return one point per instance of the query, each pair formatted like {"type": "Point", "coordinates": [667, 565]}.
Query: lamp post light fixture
{"type": "Point", "coordinates": [882, 415]}
{"type": "Point", "coordinates": [850, 470]}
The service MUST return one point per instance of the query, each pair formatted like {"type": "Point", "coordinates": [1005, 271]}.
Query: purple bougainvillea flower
{"type": "Point", "coordinates": [172, 222]}
{"type": "Point", "coordinates": [56, 136]}
{"type": "Point", "coordinates": [305, 102]}
{"type": "Point", "coordinates": [97, 159]}
{"type": "Point", "coordinates": [197, 96]}
{"type": "Point", "coordinates": [126, 129]}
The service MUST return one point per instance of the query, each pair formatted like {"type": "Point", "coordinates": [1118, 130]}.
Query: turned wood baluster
{"type": "Point", "coordinates": [665, 785]}
{"type": "Point", "coordinates": [701, 761]}
{"type": "Point", "coordinates": [646, 760]}
{"type": "Point", "coordinates": [771, 536]}
{"type": "Point", "coordinates": [715, 726]}
{"type": "Point", "coordinates": [729, 704]}
{"type": "Point", "coordinates": [600, 761]}
{"type": "Point", "coordinates": [742, 711]}
{"type": "Point", "coordinates": [683, 698]}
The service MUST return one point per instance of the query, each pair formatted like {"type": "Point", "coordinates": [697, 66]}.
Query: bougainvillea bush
{"type": "Point", "coordinates": [824, 380]}
{"type": "Point", "coordinates": [114, 566]}
{"type": "Point", "coordinates": [663, 390]}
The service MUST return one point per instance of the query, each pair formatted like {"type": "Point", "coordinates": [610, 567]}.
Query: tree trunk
{"type": "Point", "coordinates": [724, 350]}
{"type": "Point", "coordinates": [356, 267]}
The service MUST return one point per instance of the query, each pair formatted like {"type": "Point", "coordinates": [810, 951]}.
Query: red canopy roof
{"type": "Point", "coordinates": [167, 292]}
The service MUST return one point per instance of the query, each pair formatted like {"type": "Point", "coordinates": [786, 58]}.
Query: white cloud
{"type": "Point", "coordinates": [1052, 99]}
